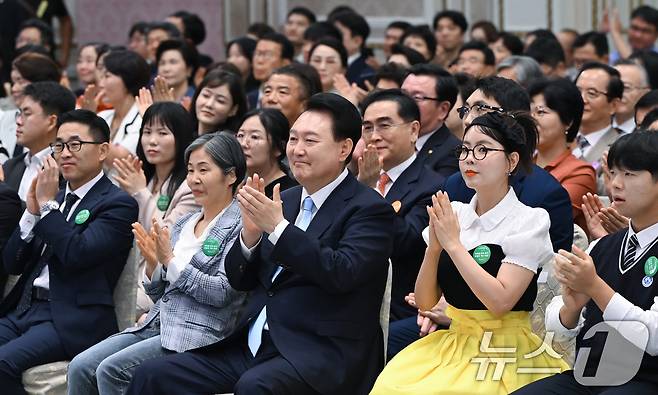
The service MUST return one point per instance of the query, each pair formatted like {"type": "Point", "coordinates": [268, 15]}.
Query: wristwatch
{"type": "Point", "coordinates": [48, 206]}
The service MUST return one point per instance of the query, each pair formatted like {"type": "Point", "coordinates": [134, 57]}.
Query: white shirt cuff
{"type": "Point", "coordinates": [174, 269]}
{"type": "Point", "coordinates": [26, 224]}
{"type": "Point", "coordinates": [246, 251]}
{"type": "Point", "coordinates": [552, 319]}
{"type": "Point", "coordinates": [278, 231]}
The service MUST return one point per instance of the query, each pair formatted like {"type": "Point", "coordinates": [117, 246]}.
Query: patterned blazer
{"type": "Point", "coordinates": [200, 308]}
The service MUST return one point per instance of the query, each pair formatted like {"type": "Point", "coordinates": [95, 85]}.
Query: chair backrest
{"type": "Point", "coordinates": [125, 292]}
{"type": "Point", "coordinates": [385, 310]}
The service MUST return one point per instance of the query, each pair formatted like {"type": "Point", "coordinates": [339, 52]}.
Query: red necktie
{"type": "Point", "coordinates": [383, 180]}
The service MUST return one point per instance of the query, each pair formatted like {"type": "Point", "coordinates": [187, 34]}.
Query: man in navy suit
{"type": "Point", "coordinates": [391, 121]}
{"type": "Point", "coordinates": [10, 213]}
{"type": "Point", "coordinates": [315, 260]}
{"type": "Point", "coordinates": [355, 31]}
{"type": "Point", "coordinates": [435, 90]}
{"type": "Point", "coordinates": [70, 248]}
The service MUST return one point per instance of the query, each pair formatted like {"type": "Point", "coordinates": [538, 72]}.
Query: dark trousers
{"type": "Point", "coordinates": [26, 341]}
{"type": "Point", "coordinates": [566, 384]}
{"type": "Point", "coordinates": [401, 333]}
{"type": "Point", "coordinates": [226, 367]}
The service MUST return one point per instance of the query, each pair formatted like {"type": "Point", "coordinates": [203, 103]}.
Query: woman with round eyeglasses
{"type": "Point", "coordinates": [483, 257]}
{"type": "Point", "coordinates": [557, 107]}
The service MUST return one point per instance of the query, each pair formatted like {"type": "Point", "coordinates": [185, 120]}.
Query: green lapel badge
{"type": "Point", "coordinates": [651, 266]}
{"type": "Point", "coordinates": [82, 216]}
{"type": "Point", "coordinates": [210, 247]}
{"type": "Point", "coordinates": [481, 254]}
{"type": "Point", "coordinates": [163, 202]}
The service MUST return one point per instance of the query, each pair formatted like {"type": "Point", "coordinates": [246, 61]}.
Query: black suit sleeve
{"type": "Point", "coordinates": [366, 241]}
{"type": "Point", "coordinates": [242, 274]}
{"type": "Point", "coordinates": [109, 233]}
{"type": "Point", "coordinates": [10, 214]}
{"type": "Point", "coordinates": [558, 206]}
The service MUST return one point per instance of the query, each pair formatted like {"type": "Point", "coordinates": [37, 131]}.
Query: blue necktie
{"type": "Point", "coordinates": [256, 330]}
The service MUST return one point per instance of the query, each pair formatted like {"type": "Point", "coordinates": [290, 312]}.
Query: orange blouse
{"type": "Point", "coordinates": [577, 177]}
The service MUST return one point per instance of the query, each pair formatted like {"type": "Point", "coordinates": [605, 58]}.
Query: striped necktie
{"type": "Point", "coordinates": [629, 257]}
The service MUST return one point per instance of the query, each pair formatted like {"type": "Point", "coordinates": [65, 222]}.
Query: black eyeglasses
{"type": "Point", "coordinates": [478, 109]}
{"type": "Point", "coordinates": [479, 151]}
{"type": "Point", "coordinates": [73, 146]}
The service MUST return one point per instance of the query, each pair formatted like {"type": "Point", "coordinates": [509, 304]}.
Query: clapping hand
{"type": "Point", "coordinates": [163, 251]}
{"type": "Point", "coordinates": [263, 212]}
{"type": "Point", "coordinates": [575, 270]}
{"type": "Point", "coordinates": [161, 91]}
{"type": "Point", "coordinates": [369, 166]}
{"type": "Point", "coordinates": [47, 183]}
{"type": "Point", "coordinates": [444, 222]}
{"type": "Point", "coordinates": [143, 100]}
{"type": "Point", "coordinates": [146, 244]}
{"type": "Point", "coordinates": [428, 321]}
{"type": "Point", "coordinates": [602, 220]}
{"type": "Point", "coordinates": [130, 175]}
{"type": "Point", "coordinates": [91, 98]}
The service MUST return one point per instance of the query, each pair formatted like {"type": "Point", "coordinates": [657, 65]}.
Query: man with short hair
{"type": "Point", "coordinates": [391, 122]}
{"type": "Point", "coordinates": [449, 28]}
{"type": "Point", "coordinates": [272, 51]}
{"type": "Point", "coordinates": [70, 249]}
{"type": "Point", "coordinates": [315, 260]}
{"type": "Point", "coordinates": [642, 32]}
{"type": "Point", "coordinates": [636, 84]}
{"type": "Point", "coordinates": [477, 59]}
{"type": "Point", "coordinates": [289, 88]}
{"type": "Point", "coordinates": [297, 21]}
{"type": "Point", "coordinates": [36, 128]}
{"type": "Point", "coordinates": [435, 92]}
{"type": "Point", "coordinates": [36, 32]}
{"type": "Point", "coordinates": [602, 90]}
{"type": "Point", "coordinates": [590, 47]}
{"type": "Point", "coordinates": [355, 31]}
{"type": "Point", "coordinates": [549, 54]}
{"type": "Point", "coordinates": [392, 35]}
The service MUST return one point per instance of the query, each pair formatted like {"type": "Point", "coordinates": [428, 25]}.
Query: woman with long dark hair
{"type": "Point", "coordinates": [219, 103]}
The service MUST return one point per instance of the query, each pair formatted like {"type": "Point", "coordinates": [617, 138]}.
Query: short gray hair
{"type": "Point", "coordinates": [225, 151]}
{"type": "Point", "coordinates": [527, 69]}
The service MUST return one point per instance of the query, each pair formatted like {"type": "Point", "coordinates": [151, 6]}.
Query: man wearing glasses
{"type": "Point", "coordinates": [391, 166]}
{"type": "Point", "coordinates": [36, 126]}
{"type": "Point", "coordinates": [435, 91]}
{"type": "Point", "coordinates": [602, 90]}
{"type": "Point", "coordinates": [70, 248]}
{"type": "Point", "coordinates": [636, 84]}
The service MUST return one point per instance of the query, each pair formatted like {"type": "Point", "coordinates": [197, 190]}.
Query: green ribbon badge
{"type": "Point", "coordinates": [163, 202]}
{"type": "Point", "coordinates": [481, 254]}
{"type": "Point", "coordinates": [82, 216]}
{"type": "Point", "coordinates": [210, 247]}
{"type": "Point", "coordinates": [651, 266]}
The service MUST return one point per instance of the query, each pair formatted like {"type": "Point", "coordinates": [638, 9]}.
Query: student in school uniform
{"type": "Point", "coordinates": [614, 281]}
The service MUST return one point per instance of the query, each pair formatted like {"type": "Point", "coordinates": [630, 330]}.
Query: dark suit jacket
{"type": "Point", "coordinates": [537, 189]}
{"type": "Point", "coordinates": [438, 152]}
{"type": "Point", "coordinates": [14, 169]}
{"type": "Point", "coordinates": [252, 99]}
{"type": "Point", "coordinates": [84, 261]}
{"type": "Point", "coordinates": [323, 309]}
{"type": "Point", "coordinates": [10, 214]}
{"type": "Point", "coordinates": [359, 71]}
{"type": "Point", "coordinates": [413, 193]}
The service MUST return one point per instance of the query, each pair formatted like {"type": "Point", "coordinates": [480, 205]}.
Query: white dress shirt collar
{"type": "Point", "coordinates": [645, 236]}
{"type": "Point", "coordinates": [322, 194]}
{"type": "Point", "coordinates": [423, 139]}
{"type": "Point", "coordinates": [36, 158]}
{"type": "Point", "coordinates": [396, 171]}
{"type": "Point", "coordinates": [85, 188]}
{"type": "Point", "coordinates": [627, 127]}
{"type": "Point", "coordinates": [594, 137]}
{"type": "Point", "coordinates": [491, 218]}
{"type": "Point", "coordinates": [352, 58]}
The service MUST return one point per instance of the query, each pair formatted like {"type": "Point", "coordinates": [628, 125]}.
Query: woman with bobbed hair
{"type": "Point", "coordinates": [219, 103]}
{"type": "Point", "coordinates": [329, 57]}
{"type": "Point", "coordinates": [177, 62]}
{"type": "Point", "coordinates": [124, 73]}
{"type": "Point", "coordinates": [484, 257]}
{"type": "Point", "coordinates": [195, 306]}
{"type": "Point", "coordinates": [557, 107]}
{"type": "Point", "coordinates": [263, 137]}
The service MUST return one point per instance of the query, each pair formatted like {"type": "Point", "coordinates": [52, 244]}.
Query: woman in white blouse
{"type": "Point", "coordinates": [124, 74]}
{"type": "Point", "coordinates": [195, 305]}
{"type": "Point", "coordinates": [484, 258]}
{"type": "Point", "coordinates": [156, 176]}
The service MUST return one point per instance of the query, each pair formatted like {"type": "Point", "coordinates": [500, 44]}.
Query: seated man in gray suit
{"type": "Point", "coordinates": [195, 305]}
{"type": "Point", "coordinates": [602, 90]}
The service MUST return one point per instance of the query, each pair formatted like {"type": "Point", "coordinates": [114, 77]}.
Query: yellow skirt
{"type": "Point", "coordinates": [478, 354]}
